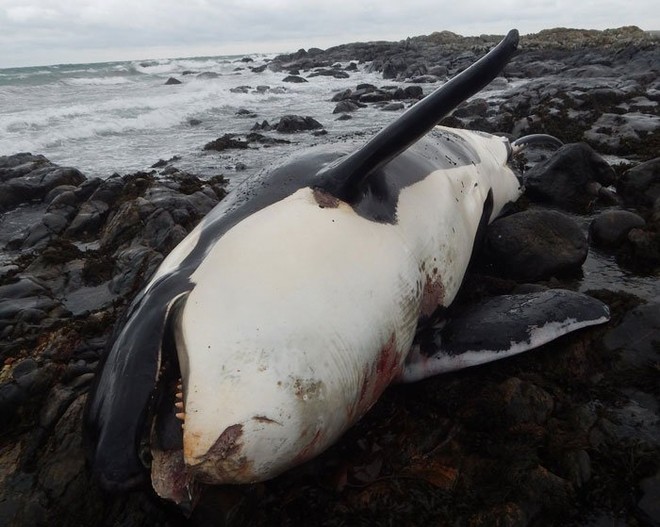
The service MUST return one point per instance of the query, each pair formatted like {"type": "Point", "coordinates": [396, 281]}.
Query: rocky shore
{"type": "Point", "coordinates": [566, 435]}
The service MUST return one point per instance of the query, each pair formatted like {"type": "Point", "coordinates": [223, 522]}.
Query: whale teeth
{"type": "Point", "coordinates": [179, 390]}
{"type": "Point", "coordinates": [178, 403]}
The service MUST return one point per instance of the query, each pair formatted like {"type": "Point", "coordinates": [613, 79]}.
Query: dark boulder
{"type": "Point", "coordinates": [295, 79]}
{"type": "Point", "coordinates": [89, 219]}
{"type": "Point", "coordinates": [263, 126]}
{"type": "Point", "coordinates": [290, 124]}
{"type": "Point", "coordinates": [342, 95]}
{"type": "Point", "coordinates": [611, 228]}
{"type": "Point", "coordinates": [25, 178]}
{"type": "Point", "coordinates": [409, 92]}
{"type": "Point", "coordinates": [240, 89]}
{"type": "Point", "coordinates": [535, 245]}
{"type": "Point", "coordinates": [172, 81]}
{"type": "Point", "coordinates": [393, 107]}
{"type": "Point", "coordinates": [640, 186]}
{"type": "Point", "coordinates": [571, 179]}
{"type": "Point", "coordinates": [473, 108]}
{"type": "Point", "coordinates": [254, 137]}
{"type": "Point", "coordinates": [346, 106]}
{"type": "Point", "coordinates": [375, 96]}
{"type": "Point", "coordinates": [225, 142]}
{"type": "Point", "coordinates": [244, 112]}
{"type": "Point", "coordinates": [644, 252]}
{"type": "Point", "coordinates": [332, 72]}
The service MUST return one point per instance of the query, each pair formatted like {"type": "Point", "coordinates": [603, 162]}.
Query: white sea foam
{"type": "Point", "coordinates": [96, 81]}
{"type": "Point", "coordinates": [122, 117]}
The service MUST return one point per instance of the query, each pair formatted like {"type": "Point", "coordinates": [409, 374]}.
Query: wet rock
{"type": "Point", "coordinates": [133, 265]}
{"type": "Point", "coordinates": [109, 190]}
{"type": "Point", "coordinates": [172, 81]}
{"type": "Point", "coordinates": [294, 79]}
{"type": "Point", "coordinates": [524, 402]}
{"type": "Point", "coordinates": [337, 74]}
{"type": "Point", "coordinates": [506, 515]}
{"type": "Point", "coordinates": [536, 244]}
{"type": "Point", "coordinates": [619, 134]}
{"type": "Point", "coordinates": [23, 304]}
{"type": "Point", "coordinates": [25, 178]}
{"type": "Point", "coordinates": [255, 137]}
{"type": "Point", "coordinates": [610, 228]}
{"type": "Point", "coordinates": [570, 179]}
{"type": "Point", "coordinates": [89, 220]}
{"type": "Point", "coordinates": [640, 186]}
{"type": "Point", "coordinates": [645, 250]}
{"type": "Point", "coordinates": [394, 68]}
{"type": "Point", "coordinates": [290, 124]}
{"type": "Point", "coordinates": [636, 335]}
{"type": "Point", "coordinates": [577, 467]}
{"type": "Point", "coordinates": [244, 112]}
{"type": "Point", "coordinates": [23, 368]}
{"type": "Point", "coordinates": [374, 96]}
{"type": "Point", "coordinates": [649, 503]}
{"type": "Point", "coordinates": [264, 126]}
{"type": "Point", "coordinates": [225, 142]}
{"type": "Point", "coordinates": [346, 106]}
{"type": "Point", "coordinates": [393, 107]}
{"type": "Point", "coordinates": [409, 92]}
{"type": "Point", "coordinates": [545, 490]}
{"type": "Point", "coordinates": [208, 75]}
{"type": "Point", "coordinates": [472, 108]}
{"type": "Point", "coordinates": [342, 95]}
{"type": "Point", "coordinates": [240, 89]}
{"type": "Point", "coordinates": [124, 224]}
{"type": "Point", "coordinates": [11, 397]}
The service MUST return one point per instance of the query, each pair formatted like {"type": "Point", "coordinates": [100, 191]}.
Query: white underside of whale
{"type": "Point", "coordinates": [302, 315]}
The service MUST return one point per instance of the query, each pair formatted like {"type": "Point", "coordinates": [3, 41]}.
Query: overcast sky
{"type": "Point", "coordinates": [40, 32]}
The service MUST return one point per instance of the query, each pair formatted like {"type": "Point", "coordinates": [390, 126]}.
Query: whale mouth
{"type": "Point", "coordinates": [162, 444]}
{"type": "Point", "coordinates": [171, 479]}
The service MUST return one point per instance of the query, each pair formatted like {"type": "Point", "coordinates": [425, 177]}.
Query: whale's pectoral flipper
{"type": "Point", "coordinates": [501, 327]}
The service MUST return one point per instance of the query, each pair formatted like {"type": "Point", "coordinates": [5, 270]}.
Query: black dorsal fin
{"type": "Point", "coordinates": [343, 177]}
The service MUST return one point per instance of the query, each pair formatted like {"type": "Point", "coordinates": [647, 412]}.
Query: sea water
{"type": "Point", "coordinates": [121, 116]}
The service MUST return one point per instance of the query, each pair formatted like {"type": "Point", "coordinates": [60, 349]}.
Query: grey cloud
{"type": "Point", "coordinates": [47, 31]}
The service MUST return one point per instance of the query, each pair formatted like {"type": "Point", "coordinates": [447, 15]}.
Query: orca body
{"type": "Point", "coordinates": [294, 304]}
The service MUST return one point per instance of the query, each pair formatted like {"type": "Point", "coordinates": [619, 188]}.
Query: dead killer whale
{"type": "Point", "coordinates": [282, 317]}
